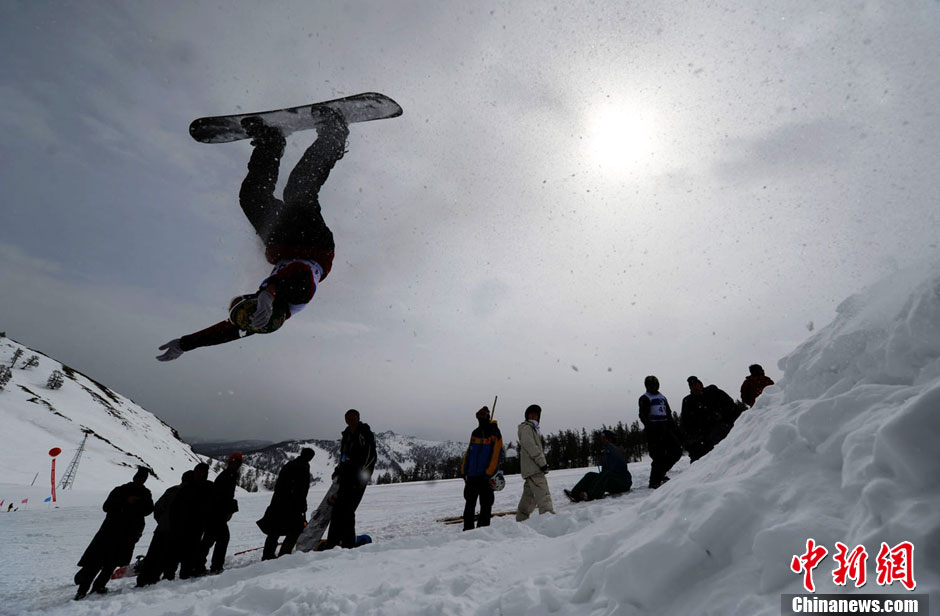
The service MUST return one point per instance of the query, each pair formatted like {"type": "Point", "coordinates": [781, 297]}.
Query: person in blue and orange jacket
{"type": "Point", "coordinates": [480, 464]}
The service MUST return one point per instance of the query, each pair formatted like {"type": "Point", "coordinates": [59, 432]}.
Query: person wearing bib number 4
{"type": "Point", "coordinates": [661, 434]}
{"type": "Point", "coordinates": [296, 239]}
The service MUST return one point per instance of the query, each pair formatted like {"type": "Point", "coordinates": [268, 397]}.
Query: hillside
{"type": "Point", "coordinates": [37, 417]}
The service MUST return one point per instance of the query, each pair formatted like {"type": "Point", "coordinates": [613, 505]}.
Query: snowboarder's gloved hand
{"type": "Point", "coordinates": [263, 310]}
{"type": "Point", "coordinates": [544, 468]}
{"type": "Point", "coordinates": [172, 350]}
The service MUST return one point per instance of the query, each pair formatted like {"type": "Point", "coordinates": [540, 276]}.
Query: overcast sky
{"type": "Point", "coordinates": [577, 195]}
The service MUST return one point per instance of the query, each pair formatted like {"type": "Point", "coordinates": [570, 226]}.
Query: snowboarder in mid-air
{"type": "Point", "coordinates": [296, 239]}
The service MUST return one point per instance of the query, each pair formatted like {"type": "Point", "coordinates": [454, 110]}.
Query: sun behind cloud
{"type": "Point", "coordinates": [620, 138]}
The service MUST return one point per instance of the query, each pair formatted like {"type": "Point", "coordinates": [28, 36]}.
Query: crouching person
{"type": "Point", "coordinates": [614, 477]}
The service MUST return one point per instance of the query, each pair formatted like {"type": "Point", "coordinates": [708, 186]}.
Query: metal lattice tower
{"type": "Point", "coordinates": [69, 477]}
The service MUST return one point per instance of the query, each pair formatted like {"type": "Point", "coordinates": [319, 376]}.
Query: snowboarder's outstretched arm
{"type": "Point", "coordinates": [220, 333]}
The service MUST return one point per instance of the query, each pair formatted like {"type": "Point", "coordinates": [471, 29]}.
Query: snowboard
{"type": "Point", "coordinates": [459, 519]}
{"type": "Point", "coordinates": [241, 310]}
{"type": "Point", "coordinates": [310, 537]}
{"type": "Point", "coordinates": [356, 108]}
{"type": "Point", "coordinates": [127, 570]}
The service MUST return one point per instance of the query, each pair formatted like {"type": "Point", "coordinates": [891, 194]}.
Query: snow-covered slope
{"type": "Point", "coordinates": [122, 435]}
{"type": "Point", "coordinates": [843, 449]}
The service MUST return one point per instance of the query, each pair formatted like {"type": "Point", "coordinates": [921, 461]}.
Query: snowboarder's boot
{"type": "Point", "coordinates": [263, 135]}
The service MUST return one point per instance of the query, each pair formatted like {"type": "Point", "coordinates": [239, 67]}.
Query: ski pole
{"type": "Point", "coordinates": [493, 410]}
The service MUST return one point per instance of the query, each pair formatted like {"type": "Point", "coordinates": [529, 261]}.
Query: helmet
{"type": "Point", "coordinates": [497, 481]}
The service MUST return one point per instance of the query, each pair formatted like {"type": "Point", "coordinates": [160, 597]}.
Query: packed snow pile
{"type": "Point", "coordinates": [46, 404]}
{"type": "Point", "coordinates": [844, 449]}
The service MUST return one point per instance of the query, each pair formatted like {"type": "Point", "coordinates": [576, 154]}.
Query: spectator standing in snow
{"type": "Point", "coordinates": [188, 514]}
{"type": "Point", "coordinates": [221, 509]}
{"type": "Point", "coordinates": [354, 471]}
{"type": "Point", "coordinates": [661, 433]}
{"type": "Point", "coordinates": [703, 420]}
{"type": "Point", "coordinates": [533, 467]}
{"type": "Point", "coordinates": [479, 466]}
{"type": "Point", "coordinates": [286, 515]}
{"type": "Point", "coordinates": [754, 385]}
{"type": "Point", "coordinates": [614, 477]}
{"type": "Point", "coordinates": [161, 558]}
{"type": "Point", "coordinates": [113, 546]}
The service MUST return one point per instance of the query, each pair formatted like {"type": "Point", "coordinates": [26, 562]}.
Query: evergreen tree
{"type": "Point", "coordinates": [32, 362]}
{"type": "Point", "coordinates": [56, 379]}
{"type": "Point", "coordinates": [16, 355]}
{"type": "Point", "coordinates": [5, 375]}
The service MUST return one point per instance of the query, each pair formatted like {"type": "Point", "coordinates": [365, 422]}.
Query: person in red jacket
{"type": "Point", "coordinates": [296, 239]}
{"type": "Point", "coordinates": [754, 385]}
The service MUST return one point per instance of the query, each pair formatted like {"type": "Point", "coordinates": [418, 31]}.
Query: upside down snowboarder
{"type": "Point", "coordinates": [296, 239]}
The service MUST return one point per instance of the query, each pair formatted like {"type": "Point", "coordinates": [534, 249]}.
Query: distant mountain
{"type": "Point", "coordinates": [398, 455]}
{"type": "Point", "coordinates": [45, 404]}
{"type": "Point", "coordinates": [222, 449]}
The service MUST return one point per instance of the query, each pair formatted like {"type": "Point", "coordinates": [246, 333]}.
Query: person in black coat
{"type": "Point", "coordinates": [354, 471]}
{"type": "Point", "coordinates": [113, 545]}
{"type": "Point", "coordinates": [222, 507]}
{"type": "Point", "coordinates": [704, 420]}
{"type": "Point", "coordinates": [286, 515]}
{"type": "Point", "coordinates": [188, 514]}
{"type": "Point", "coordinates": [161, 558]}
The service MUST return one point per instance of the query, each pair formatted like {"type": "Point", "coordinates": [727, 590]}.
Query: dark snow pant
{"type": "Point", "coordinates": [160, 560]}
{"type": "Point", "coordinates": [596, 485]}
{"type": "Point", "coordinates": [342, 531]}
{"type": "Point", "coordinates": [297, 220]}
{"type": "Point", "coordinates": [94, 576]}
{"type": "Point", "coordinates": [216, 534]}
{"type": "Point", "coordinates": [192, 563]}
{"type": "Point", "coordinates": [270, 545]}
{"type": "Point", "coordinates": [664, 449]}
{"type": "Point", "coordinates": [702, 446]}
{"type": "Point", "coordinates": [473, 488]}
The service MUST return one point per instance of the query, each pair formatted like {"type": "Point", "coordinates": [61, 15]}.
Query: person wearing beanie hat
{"type": "Point", "coordinates": [353, 473]}
{"type": "Point", "coordinates": [614, 477]}
{"type": "Point", "coordinates": [222, 507]}
{"type": "Point", "coordinates": [480, 464]}
{"type": "Point", "coordinates": [706, 418]}
{"type": "Point", "coordinates": [533, 467]}
{"type": "Point", "coordinates": [662, 436]}
{"type": "Point", "coordinates": [113, 545]}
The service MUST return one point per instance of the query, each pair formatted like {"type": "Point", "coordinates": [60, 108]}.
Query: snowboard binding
{"type": "Point", "coordinates": [243, 307]}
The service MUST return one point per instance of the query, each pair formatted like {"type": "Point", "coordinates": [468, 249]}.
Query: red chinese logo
{"type": "Point", "coordinates": [808, 561]}
{"type": "Point", "coordinates": [896, 564]}
{"type": "Point", "coordinates": [851, 566]}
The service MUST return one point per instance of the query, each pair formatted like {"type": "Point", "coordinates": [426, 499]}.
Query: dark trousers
{"type": "Point", "coordinates": [342, 531]}
{"type": "Point", "coordinates": [189, 550]}
{"type": "Point", "coordinates": [701, 446]}
{"type": "Point", "coordinates": [160, 560]}
{"type": "Point", "coordinates": [477, 487]}
{"type": "Point", "coordinates": [217, 535]}
{"type": "Point", "coordinates": [664, 448]}
{"type": "Point", "coordinates": [94, 576]}
{"type": "Point", "coordinates": [596, 485]}
{"type": "Point", "coordinates": [270, 545]}
{"type": "Point", "coordinates": [296, 220]}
